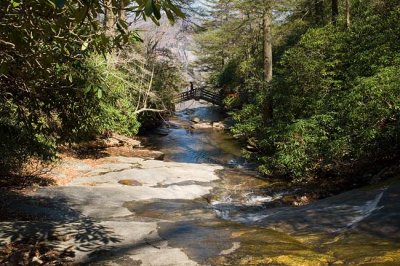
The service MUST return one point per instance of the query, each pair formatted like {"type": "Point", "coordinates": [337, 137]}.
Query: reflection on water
{"type": "Point", "coordinates": [184, 144]}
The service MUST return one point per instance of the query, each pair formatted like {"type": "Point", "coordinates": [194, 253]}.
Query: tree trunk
{"type": "Point", "coordinates": [268, 44]}
{"type": "Point", "coordinates": [109, 17]}
{"type": "Point", "coordinates": [267, 24]}
{"type": "Point", "coordinates": [335, 11]}
{"type": "Point", "coordinates": [121, 10]}
{"type": "Point", "coordinates": [348, 15]}
{"type": "Point", "coordinates": [319, 12]}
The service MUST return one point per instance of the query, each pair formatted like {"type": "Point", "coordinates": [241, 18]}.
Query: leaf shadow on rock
{"type": "Point", "coordinates": [36, 221]}
{"type": "Point", "coordinates": [22, 182]}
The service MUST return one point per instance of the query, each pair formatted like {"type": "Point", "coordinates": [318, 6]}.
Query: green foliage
{"type": "Point", "coordinates": [229, 75]}
{"type": "Point", "coordinates": [309, 73]}
{"type": "Point", "coordinates": [168, 80]}
{"type": "Point", "coordinates": [60, 78]}
{"type": "Point", "coordinates": [153, 8]}
{"type": "Point", "coordinates": [248, 121]}
{"type": "Point", "coordinates": [372, 112]}
{"type": "Point", "coordinates": [335, 90]}
{"type": "Point", "coordinates": [297, 148]}
{"type": "Point", "coordinates": [117, 102]}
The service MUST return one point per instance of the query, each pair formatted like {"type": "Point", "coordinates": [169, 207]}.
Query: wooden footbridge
{"type": "Point", "coordinates": [199, 94]}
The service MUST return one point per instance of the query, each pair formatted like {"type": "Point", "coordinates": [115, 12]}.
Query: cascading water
{"type": "Point", "coordinates": [355, 227]}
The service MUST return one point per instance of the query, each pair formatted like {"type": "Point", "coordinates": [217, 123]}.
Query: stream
{"type": "Point", "coordinates": [185, 144]}
{"type": "Point", "coordinates": [242, 193]}
{"type": "Point", "coordinates": [203, 205]}
{"type": "Point", "coordinates": [246, 221]}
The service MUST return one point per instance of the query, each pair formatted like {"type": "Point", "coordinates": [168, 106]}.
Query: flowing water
{"type": "Point", "coordinates": [245, 220]}
{"type": "Point", "coordinates": [184, 144]}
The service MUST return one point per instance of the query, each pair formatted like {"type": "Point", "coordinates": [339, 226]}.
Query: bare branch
{"type": "Point", "coordinates": [7, 43]}
{"type": "Point", "coordinates": [150, 110]}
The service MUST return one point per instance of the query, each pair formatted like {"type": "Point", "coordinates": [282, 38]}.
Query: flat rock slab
{"type": "Point", "coordinates": [170, 219]}
{"type": "Point", "coordinates": [88, 218]}
{"type": "Point", "coordinates": [149, 173]}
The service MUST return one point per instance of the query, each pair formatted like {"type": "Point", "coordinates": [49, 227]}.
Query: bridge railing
{"type": "Point", "coordinates": [199, 93]}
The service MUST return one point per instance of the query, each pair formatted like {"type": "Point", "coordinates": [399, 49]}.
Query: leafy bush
{"type": "Point", "coordinates": [116, 83]}
{"type": "Point", "coordinates": [299, 147]}
{"type": "Point", "coordinates": [310, 74]}
{"type": "Point", "coordinates": [372, 114]}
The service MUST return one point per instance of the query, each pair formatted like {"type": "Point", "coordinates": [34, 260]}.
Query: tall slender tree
{"type": "Point", "coordinates": [268, 63]}
{"type": "Point", "coordinates": [267, 24]}
{"type": "Point", "coordinates": [348, 14]}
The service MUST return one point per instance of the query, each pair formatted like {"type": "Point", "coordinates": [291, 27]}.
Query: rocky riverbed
{"type": "Point", "coordinates": [200, 206]}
